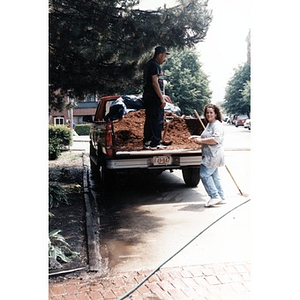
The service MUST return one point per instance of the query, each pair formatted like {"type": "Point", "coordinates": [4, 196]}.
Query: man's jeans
{"type": "Point", "coordinates": [211, 181]}
{"type": "Point", "coordinates": [154, 121]}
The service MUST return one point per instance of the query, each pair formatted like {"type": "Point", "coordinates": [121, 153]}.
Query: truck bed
{"type": "Point", "coordinates": [128, 133]}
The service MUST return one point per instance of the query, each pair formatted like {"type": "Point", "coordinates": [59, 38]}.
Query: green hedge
{"type": "Point", "coordinates": [83, 129]}
{"type": "Point", "coordinates": [59, 137]}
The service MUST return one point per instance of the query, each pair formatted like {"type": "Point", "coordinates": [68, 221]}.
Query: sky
{"type": "Point", "coordinates": [224, 47]}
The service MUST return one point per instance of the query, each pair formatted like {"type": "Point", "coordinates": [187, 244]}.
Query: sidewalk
{"type": "Point", "coordinates": [211, 282]}
{"type": "Point", "coordinates": [80, 143]}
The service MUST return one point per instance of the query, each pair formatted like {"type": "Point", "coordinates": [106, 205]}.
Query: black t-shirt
{"type": "Point", "coordinates": [152, 68]}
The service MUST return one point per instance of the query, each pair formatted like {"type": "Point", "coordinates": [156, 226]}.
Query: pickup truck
{"type": "Point", "coordinates": [106, 160]}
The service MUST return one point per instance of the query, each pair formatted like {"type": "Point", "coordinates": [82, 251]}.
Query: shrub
{"type": "Point", "coordinates": [57, 195]}
{"type": "Point", "coordinates": [58, 249]}
{"type": "Point", "coordinates": [83, 129]}
{"type": "Point", "coordinates": [59, 137]}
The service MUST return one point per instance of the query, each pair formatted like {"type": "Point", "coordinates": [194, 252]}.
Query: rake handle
{"type": "Point", "coordinates": [196, 113]}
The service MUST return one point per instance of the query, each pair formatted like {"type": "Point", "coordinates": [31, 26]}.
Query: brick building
{"type": "Point", "coordinates": [83, 111]}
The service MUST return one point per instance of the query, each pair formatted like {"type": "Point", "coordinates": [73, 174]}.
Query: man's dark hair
{"type": "Point", "coordinates": [160, 49]}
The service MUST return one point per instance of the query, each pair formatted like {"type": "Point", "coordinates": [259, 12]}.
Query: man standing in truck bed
{"type": "Point", "coordinates": [154, 100]}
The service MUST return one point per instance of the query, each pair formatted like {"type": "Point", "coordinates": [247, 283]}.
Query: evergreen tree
{"type": "Point", "coordinates": [100, 45]}
{"type": "Point", "coordinates": [187, 84]}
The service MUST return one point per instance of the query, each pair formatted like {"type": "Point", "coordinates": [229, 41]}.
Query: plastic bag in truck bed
{"type": "Point", "coordinates": [128, 103]}
{"type": "Point", "coordinates": [173, 108]}
{"type": "Point", "coordinates": [116, 110]}
{"type": "Point", "coordinates": [133, 102]}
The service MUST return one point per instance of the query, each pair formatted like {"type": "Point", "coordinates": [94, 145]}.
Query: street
{"type": "Point", "coordinates": [145, 220]}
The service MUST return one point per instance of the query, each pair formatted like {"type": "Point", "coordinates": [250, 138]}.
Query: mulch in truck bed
{"type": "Point", "coordinates": [129, 132]}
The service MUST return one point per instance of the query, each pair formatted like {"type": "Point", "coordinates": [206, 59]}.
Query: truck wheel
{"type": "Point", "coordinates": [93, 165]}
{"type": "Point", "coordinates": [94, 169]}
{"type": "Point", "coordinates": [191, 176]}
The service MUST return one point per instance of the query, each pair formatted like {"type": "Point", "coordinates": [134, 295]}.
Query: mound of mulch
{"type": "Point", "coordinates": [130, 129]}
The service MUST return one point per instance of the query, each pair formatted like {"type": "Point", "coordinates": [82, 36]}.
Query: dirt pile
{"type": "Point", "coordinates": [129, 132]}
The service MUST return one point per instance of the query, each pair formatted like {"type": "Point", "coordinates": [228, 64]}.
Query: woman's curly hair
{"type": "Point", "coordinates": [216, 109]}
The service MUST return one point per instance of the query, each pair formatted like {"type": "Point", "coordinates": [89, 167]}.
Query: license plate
{"type": "Point", "coordinates": [163, 160]}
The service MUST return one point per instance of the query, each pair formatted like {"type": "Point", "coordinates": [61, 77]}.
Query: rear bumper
{"type": "Point", "coordinates": [178, 162]}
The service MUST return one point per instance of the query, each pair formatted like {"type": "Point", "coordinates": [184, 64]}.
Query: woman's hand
{"type": "Point", "coordinates": [195, 138]}
{"type": "Point", "coordinates": [207, 141]}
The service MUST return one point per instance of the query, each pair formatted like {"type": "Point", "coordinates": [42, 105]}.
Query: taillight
{"type": "Point", "coordinates": [109, 139]}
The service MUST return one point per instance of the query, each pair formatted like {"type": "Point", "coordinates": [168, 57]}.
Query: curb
{"type": "Point", "coordinates": [92, 222]}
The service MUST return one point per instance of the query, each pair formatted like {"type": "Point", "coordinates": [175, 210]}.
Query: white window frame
{"type": "Point", "coordinates": [59, 119]}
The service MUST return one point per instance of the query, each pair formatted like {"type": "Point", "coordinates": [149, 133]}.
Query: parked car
{"type": "Point", "coordinates": [240, 120]}
{"type": "Point", "coordinates": [225, 119]}
{"type": "Point", "coordinates": [247, 124]}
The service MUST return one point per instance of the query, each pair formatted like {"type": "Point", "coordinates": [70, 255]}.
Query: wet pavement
{"type": "Point", "coordinates": [145, 220]}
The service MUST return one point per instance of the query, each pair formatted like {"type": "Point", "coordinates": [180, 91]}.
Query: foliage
{"type": "Point", "coordinates": [59, 137]}
{"type": "Point", "coordinates": [246, 93]}
{"type": "Point", "coordinates": [100, 46]}
{"type": "Point", "coordinates": [74, 188]}
{"type": "Point", "coordinates": [238, 92]}
{"type": "Point", "coordinates": [57, 195]}
{"type": "Point", "coordinates": [83, 129]}
{"type": "Point", "coordinates": [187, 84]}
{"type": "Point", "coordinates": [58, 249]}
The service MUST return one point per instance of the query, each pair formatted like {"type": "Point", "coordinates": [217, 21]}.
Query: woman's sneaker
{"type": "Point", "coordinates": [213, 201]}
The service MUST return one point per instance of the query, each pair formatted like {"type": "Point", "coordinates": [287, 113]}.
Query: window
{"type": "Point", "coordinates": [90, 98]}
{"type": "Point", "coordinates": [59, 121]}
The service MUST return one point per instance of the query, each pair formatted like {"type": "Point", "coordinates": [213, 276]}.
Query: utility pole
{"type": "Point", "coordinates": [71, 105]}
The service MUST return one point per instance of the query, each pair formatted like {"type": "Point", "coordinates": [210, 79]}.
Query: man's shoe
{"type": "Point", "coordinates": [213, 201]}
{"type": "Point", "coordinates": [158, 147]}
{"type": "Point", "coordinates": [166, 143]}
{"type": "Point", "coordinates": [147, 145]}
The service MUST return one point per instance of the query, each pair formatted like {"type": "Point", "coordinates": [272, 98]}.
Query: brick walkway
{"type": "Point", "coordinates": [228, 281]}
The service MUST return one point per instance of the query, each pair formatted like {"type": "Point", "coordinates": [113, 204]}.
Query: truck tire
{"type": "Point", "coordinates": [94, 169]}
{"type": "Point", "coordinates": [93, 165]}
{"type": "Point", "coordinates": [99, 170]}
{"type": "Point", "coordinates": [106, 177]}
{"type": "Point", "coordinates": [191, 176]}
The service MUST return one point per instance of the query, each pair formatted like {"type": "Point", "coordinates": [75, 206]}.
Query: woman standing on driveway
{"type": "Point", "coordinates": [211, 140]}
